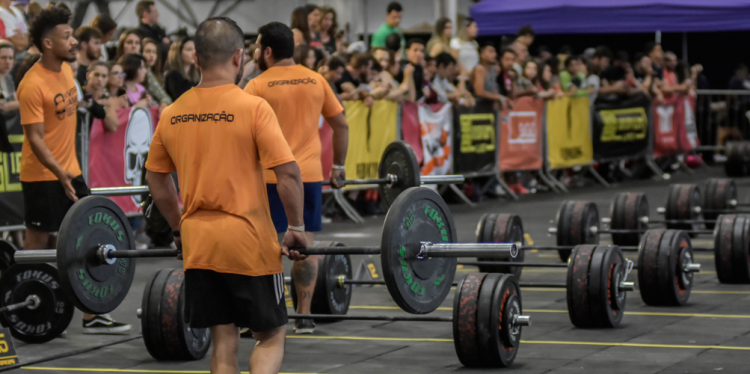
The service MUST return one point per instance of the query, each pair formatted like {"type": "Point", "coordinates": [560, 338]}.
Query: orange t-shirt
{"type": "Point", "coordinates": [299, 96]}
{"type": "Point", "coordinates": [219, 140]}
{"type": "Point", "coordinates": [50, 98]}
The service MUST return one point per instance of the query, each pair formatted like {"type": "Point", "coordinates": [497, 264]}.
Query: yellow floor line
{"type": "Point", "coordinates": [108, 370]}
{"type": "Point", "coordinates": [722, 292]}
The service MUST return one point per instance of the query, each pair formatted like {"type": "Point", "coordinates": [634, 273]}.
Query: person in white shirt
{"type": "Point", "coordinates": [441, 84]}
{"type": "Point", "coordinates": [16, 29]}
{"type": "Point", "coordinates": [466, 46]}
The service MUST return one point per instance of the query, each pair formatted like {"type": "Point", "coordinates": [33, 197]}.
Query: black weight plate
{"type": "Point", "coordinates": [335, 297]}
{"type": "Point", "coordinates": [577, 281]}
{"type": "Point", "coordinates": [597, 288]}
{"type": "Point", "coordinates": [54, 312]}
{"type": "Point", "coordinates": [505, 343]}
{"type": "Point", "coordinates": [578, 218]}
{"type": "Point", "coordinates": [613, 269]}
{"type": "Point", "coordinates": [465, 319]}
{"type": "Point", "coordinates": [648, 267]}
{"type": "Point", "coordinates": [563, 220]}
{"type": "Point", "coordinates": [719, 194]}
{"type": "Point", "coordinates": [488, 223]}
{"type": "Point", "coordinates": [183, 342]}
{"type": "Point", "coordinates": [418, 215]}
{"type": "Point", "coordinates": [737, 159]}
{"type": "Point", "coordinates": [479, 233]}
{"type": "Point", "coordinates": [398, 159]}
{"type": "Point", "coordinates": [93, 286]}
{"type": "Point", "coordinates": [627, 211]}
{"type": "Point", "coordinates": [673, 293]}
{"type": "Point", "coordinates": [504, 228]}
{"type": "Point", "coordinates": [681, 204]}
{"type": "Point", "coordinates": [616, 296]}
{"type": "Point", "coordinates": [484, 310]}
{"type": "Point", "coordinates": [724, 249]}
{"type": "Point", "coordinates": [685, 278]}
{"type": "Point", "coordinates": [7, 250]}
{"type": "Point", "coordinates": [151, 315]}
{"type": "Point", "coordinates": [740, 248]}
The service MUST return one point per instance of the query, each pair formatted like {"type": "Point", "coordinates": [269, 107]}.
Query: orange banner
{"type": "Point", "coordinates": [521, 135]}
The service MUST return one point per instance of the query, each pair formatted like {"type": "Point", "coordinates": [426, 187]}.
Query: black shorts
{"type": "Point", "coordinates": [213, 299]}
{"type": "Point", "coordinates": [45, 203]}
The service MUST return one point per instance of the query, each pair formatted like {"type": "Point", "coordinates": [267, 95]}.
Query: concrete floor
{"type": "Point", "coordinates": [710, 334]}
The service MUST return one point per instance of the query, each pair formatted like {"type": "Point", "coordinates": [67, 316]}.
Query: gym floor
{"type": "Point", "coordinates": [711, 333]}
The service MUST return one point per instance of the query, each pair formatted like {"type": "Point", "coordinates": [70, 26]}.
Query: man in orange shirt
{"type": "Point", "coordinates": [50, 176]}
{"type": "Point", "coordinates": [219, 140]}
{"type": "Point", "coordinates": [299, 96]}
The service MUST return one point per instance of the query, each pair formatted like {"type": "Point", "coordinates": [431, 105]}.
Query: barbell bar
{"type": "Point", "coordinates": [595, 230]}
{"type": "Point", "coordinates": [32, 302]}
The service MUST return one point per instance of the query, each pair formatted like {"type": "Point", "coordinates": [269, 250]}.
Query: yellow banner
{"type": "Point", "coordinates": [569, 132]}
{"type": "Point", "coordinates": [370, 132]}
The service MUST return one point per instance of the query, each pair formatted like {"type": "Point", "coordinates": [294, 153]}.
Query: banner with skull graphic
{"type": "Point", "coordinates": [117, 158]}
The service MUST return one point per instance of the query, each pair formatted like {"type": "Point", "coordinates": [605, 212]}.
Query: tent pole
{"type": "Point", "coordinates": [658, 36]}
{"type": "Point", "coordinates": [365, 35]}
{"type": "Point", "coordinates": [684, 46]}
{"type": "Point", "coordinates": [452, 14]}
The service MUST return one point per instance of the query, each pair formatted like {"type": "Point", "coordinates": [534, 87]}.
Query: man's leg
{"type": "Point", "coordinates": [36, 239]}
{"type": "Point", "coordinates": [268, 352]}
{"type": "Point", "coordinates": [226, 340]}
{"type": "Point", "coordinates": [305, 273]}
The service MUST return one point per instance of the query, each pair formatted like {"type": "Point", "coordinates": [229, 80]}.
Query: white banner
{"type": "Point", "coordinates": [436, 130]}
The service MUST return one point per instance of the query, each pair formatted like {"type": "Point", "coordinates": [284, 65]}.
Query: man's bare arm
{"type": "Point", "coordinates": [289, 186]}
{"type": "Point", "coordinates": [164, 192]}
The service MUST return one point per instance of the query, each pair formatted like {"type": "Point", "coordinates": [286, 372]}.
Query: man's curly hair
{"type": "Point", "coordinates": [45, 22]}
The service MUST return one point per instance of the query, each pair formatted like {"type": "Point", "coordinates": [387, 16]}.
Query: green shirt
{"type": "Point", "coordinates": [378, 38]}
{"type": "Point", "coordinates": [566, 82]}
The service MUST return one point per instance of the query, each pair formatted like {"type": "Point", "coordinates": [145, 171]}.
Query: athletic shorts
{"type": "Point", "coordinates": [45, 203]}
{"type": "Point", "coordinates": [313, 207]}
{"type": "Point", "coordinates": [213, 299]}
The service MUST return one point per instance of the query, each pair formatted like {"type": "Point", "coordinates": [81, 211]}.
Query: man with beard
{"type": "Point", "coordinates": [219, 140]}
{"type": "Point", "coordinates": [50, 176]}
{"type": "Point", "coordinates": [89, 50]}
{"type": "Point", "coordinates": [299, 96]}
{"type": "Point", "coordinates": [355, 74]}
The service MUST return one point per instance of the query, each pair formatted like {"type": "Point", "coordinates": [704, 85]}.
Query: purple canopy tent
{"type": "Point", "coordinates": [504, 17]}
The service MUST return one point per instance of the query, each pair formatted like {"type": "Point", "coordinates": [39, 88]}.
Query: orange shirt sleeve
{"type": "Point", "coordinates": [272, 146]}
{"type": "Point", "coordinates": [159, 160]}
{"type": "Point", "coordinates": [331, 104]}
{"type": "Point", "coordinates": [31, 103]}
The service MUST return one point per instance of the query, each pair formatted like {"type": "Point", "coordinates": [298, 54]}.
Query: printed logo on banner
{"type": "Point", "coordinates": [137, 142]}
{"type": "Point", "coordinates": [10, 166]}
{"type": "Point", "coordinates": [522, 128]}
{"type": "Point", "coordinates": [623, 125]}
{"type": "Point", "coordinates": [477, 132]}
{"type": "Point", "coordinates": [666, 112]}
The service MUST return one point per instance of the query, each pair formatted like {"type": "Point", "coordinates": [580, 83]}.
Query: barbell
{"type": "Point", "coordinates": [418, 252]}
{"type": "Point", "coordinates": [487, 320]}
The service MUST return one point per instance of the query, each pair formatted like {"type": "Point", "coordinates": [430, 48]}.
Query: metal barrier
{"type": "Point", "coordinates": [726, 109]}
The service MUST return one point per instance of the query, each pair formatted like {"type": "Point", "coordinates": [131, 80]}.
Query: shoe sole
{"type": "Point", "coordinates": [105, 330]}
{"type": "Point", "coordinates": [304, 330]}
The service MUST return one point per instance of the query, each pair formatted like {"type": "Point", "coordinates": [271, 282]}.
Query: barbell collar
{"type": "Point", "coordinates": [120, 191]}
{"type": "Point", "coordinates": [733, 202]}
{"type": "Point", "coordinates": [697, 210]}
{"type": "Point", "coordinates": [552, 231]}
{"type": "Point", "coordinates": [594, 229]}
{"type": "Point", "coordinates": [139, 313]}
{"type": "Point", "coordinates": [692, 268]}
{"type": "Point", "coordinates": [35, 256]}
{"type": "Point", "coordinates": [627, 286]}
{"type": "Point", "coordinates": [442, 179]}
{"type": "Point", "coordinates": [490, 250]}
{"type": "Point", "coordinates": [521, 320]}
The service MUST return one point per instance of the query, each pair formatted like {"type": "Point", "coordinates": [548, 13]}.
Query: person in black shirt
{"type": "Point", "coordinates": [656, 53]}
{"type": "Point", "coordinates": [415, 58]}
{"type": "Point", "coordinates": [148, 26]}
{"type": "Point", "coordinates": [89, 50]}
{"type": "Point", "coordinates": [354, 75]}
{"type": "Point", "coordinates": [182, 74]}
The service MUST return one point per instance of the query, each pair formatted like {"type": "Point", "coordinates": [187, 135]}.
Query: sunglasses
{"type": "Point", "coordinates": [118, 75]}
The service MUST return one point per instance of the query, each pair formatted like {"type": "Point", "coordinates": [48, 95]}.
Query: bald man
{"type": "Point", "coordinates": [220, 140]}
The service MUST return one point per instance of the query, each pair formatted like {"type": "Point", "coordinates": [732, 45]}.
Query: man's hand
{"type": "Point", "coordinates": [408, 70]}
{"type": "Point", "coordinates": [65, 179]}
{"type": "Point", "coordinates": [337, 177]}
{"type": "Point", "coordinates": [294, 239]}
{"type": "Point", "coordinates": [178, 245]}
{"type": "Point", "coordinates": [166, 41]}
{"type": "Point", "coordinates": [369, 101]}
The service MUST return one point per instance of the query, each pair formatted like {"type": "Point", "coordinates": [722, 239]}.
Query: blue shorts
{"type": "Point", "coordinates": [312, 207]}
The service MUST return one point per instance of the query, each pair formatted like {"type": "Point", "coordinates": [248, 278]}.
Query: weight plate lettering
{"type": "Point", "coordinates": [95, 287]}
{"type": "Point", "coordinates": [506, 338]}
{"type": "Point", "coordinates": [507, 228]}
{"type": "Point", "coordinates": [167, 334]}
{"type": "Point", "coordinates": [465, 307]}
{"type": "Point", "coordinates": [417, 215]}
{"type": "Point", "coordinates": [626, 213]}
{"type": "Point", "coordinates": [54, 312]}
{"type": "Point", "coordinates": [398, 159]}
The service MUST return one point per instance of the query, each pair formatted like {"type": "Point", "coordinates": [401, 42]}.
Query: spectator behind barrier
{"type": "Point", "coordinates": [355, 73]}
{"type": "Point", "coordinates": [130, 42]}
{"type": "Point", "coordinates": [106, 26]}
{"type": "Point", "coordinates": [529, 79]}
{"type": "Point", "coordinates": [148, 23]}
{"type": "Point", "coordinates": [115, 82]}
{"type": "Point", "coordinates": [445, 90]}
{"type": "Point", "coordinates": [484, 80]}
{"type": "Point", "coordinates": [392, 20]}
{"type": "Point", "coordinates": [415, 57]}
{"type": "Point", "coordinates": [393, 44]}
{"type": "Point", "coordinates": [430, 68]}
{"type": "Point", "coordinates": [466, 47]}
{"type": "Point", "coordinates": [305, 20]}
{"type": "Point", "coordinates": [89, 50]}
{"type": "Point", "coordinates": [134, 67]}
{"type": "Point", "coordinates": [154, 67]}
{"type": "Point", "coordinates": [181, 72]}
{"type": "Point", "coordinates": [507, 79]}
{"type": "Point", "coordinates": [441, 38]}
{"type": "Point", "coordinates": [333, 71]}
{"type": "Point", "coordinates": [548, 87]}
{"type": "Point", "coordinates": [396, 92]}
{"type": "Point", "coordinates": [572, 80]}
{"type": "Point", "coordinates": [330, 36]}
{"type": "Point", "coordinates": [304, 55]}
{"type": "Point", "coordinates": [96, 98]}
{"type": "Point", "coordinates": [8, 100]}
{"type": "Point", "coordinates": [16, 30]}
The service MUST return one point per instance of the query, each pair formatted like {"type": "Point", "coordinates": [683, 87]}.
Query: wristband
{"type": "Point", "coordinates": [176, 233]}
{"type": "Point", "coordinates": [296, 228]}
{"type": "Point", "coordinates": [338, 167]}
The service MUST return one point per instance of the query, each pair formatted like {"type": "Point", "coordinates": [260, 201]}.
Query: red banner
{"type": "Point", "coordinates": [521, 135]}
{"type": "Point", "coordinates": [674, 126]}
{"type": "Point", "coordinates": [117, 158]}
{"type": "Point", "coordinates": [410, 130]}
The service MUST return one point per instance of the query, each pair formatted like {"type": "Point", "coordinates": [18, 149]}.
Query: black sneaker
{"type": "Point", "coordinates": [104, 324]}
{"type": "Point", "coordinates": [304, 326]}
